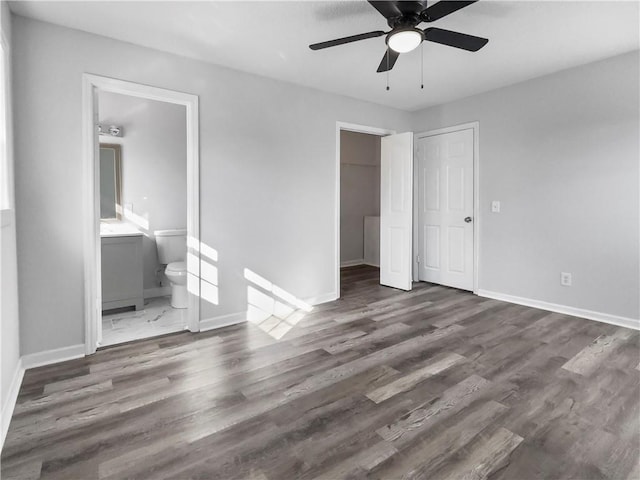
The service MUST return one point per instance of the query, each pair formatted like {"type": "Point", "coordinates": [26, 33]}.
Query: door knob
{"type": "Point", "coordinates": [468, 219]}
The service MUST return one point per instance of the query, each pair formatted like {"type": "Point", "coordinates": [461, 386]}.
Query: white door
{"type": "Point", "coordinates": [445, 217]}
{"type": "Point", "coordinates": [396, 210]}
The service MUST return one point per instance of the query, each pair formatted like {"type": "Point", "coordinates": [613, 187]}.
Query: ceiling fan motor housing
{"type": "Point", "coordinates": [405, 21]}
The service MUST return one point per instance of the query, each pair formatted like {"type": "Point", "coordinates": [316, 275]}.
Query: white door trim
{"type": "Point", "coordinates": [90, 195]}
{"type": "Point", "coordinates": [475, 126]}
{"type": "Point", "coordinates": [349, 127]}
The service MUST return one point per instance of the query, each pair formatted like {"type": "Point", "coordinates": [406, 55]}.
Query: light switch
{"type": "Point", "coordinates": [495, 206]}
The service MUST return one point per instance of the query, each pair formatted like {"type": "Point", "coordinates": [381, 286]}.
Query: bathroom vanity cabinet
{"type": "Point", "coordinates": [122, 271]}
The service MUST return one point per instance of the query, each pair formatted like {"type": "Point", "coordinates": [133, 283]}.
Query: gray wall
{"type": "Point", "coordinates": [359, 190]}
{"type": "Point", "coordinates": [9, 325]}
{"type": "Point", "coordinates": [268, 179]}
{"type": "Point", "coordinates": [561, 154]}
{"type": "Point", "coordinates": [154, 166]}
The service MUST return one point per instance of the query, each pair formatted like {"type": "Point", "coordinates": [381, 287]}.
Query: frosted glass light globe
{"type": "Point", "coordinates": [404, 41]}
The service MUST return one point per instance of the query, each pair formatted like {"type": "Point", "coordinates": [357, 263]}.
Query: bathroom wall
{"type": "Point", "coordinates": [154, 168]}
{"type": "Point", "coordinates": [9, 318]}
{"type": "Point", "coordinates": [267, 165]}
{"type": "Point", "coordinates": [359, 190]}
{"type": "Point", "coordinates": [561, 155]}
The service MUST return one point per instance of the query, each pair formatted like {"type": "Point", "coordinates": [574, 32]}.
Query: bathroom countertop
{"type": "Point", "coordinates": [118, 230]}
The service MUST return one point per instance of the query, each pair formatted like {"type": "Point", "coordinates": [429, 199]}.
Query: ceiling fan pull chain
{"type": "Point", "coordinates": [422, 66]}
{"type": "Point", "coordinates": [387, 70]}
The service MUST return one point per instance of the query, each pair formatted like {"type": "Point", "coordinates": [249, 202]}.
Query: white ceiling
{"type": "Point", "coordinates": [526, 40]}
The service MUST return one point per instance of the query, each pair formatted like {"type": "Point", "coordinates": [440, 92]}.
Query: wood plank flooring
{"type": "Point", "coordinates": [435, 383]}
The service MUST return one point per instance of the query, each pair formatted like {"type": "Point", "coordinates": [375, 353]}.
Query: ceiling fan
{"type": "Point", "coordinates": [404, 17]}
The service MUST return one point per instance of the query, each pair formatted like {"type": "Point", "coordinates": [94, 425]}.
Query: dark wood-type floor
{"type": "Point", "coordinates": [435, 384]}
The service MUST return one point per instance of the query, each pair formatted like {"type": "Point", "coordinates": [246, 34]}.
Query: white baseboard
{"type": "Point", "coordinates": [355, 263]}
{"type": "Point", "coordinates": [11, 398]}
{"type": "Point", "coordinates": [323, 298]}
{"type": "Point", "coordinates": [241, 317]}
{"type": "Point", "coordinates": [48, 357]}
{"type": "Point", "coordinates": [565, 310]}
{"type": "Point", "coordinates": [223, 321]}
{"type": "Point", "coordinates": [157, 292]}
{"type": "Point", "coordinates": [352, 263]}
{"type": "Point", "coordinates": [6, 217]}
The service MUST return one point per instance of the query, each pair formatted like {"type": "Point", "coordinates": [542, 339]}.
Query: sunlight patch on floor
{"type": "Point", "coordinates": [271, 308]}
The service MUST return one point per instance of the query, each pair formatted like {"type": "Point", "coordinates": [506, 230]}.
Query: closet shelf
{"type": "Point", "coordinates": [359, 164]}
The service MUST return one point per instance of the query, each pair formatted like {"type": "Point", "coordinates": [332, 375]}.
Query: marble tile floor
{"type": "Point", "coordinates": [157, 318]}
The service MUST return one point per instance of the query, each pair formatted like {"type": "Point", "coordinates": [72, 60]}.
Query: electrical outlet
{"type": "Point", "coordinates": [565, 279]}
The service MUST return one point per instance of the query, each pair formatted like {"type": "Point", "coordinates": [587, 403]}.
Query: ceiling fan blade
{"type": "Point", "coordinates": [388, 61]}
{"type": "Point", "coordinates": [454, 39]}
{"type": "Point", "coordinates": [386, 9]}
{"type": "Point", "coordinates": [342, 41]}
{"type": "Point", "coordinates": [444, 8]}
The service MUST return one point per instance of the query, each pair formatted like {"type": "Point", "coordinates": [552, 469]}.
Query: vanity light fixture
{"type": "Point", "coordinates": [111, 130]}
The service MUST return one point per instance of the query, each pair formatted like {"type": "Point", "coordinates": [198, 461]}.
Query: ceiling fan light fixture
{"type": "Point", "coordinates": [404, 41]}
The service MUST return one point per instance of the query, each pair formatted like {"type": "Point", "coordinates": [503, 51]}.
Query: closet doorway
{"type": "Point", "coordinates": [358, 201]}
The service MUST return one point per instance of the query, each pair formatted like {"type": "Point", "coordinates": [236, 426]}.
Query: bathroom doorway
{"type": "Point", "coordinates": [143, 217]}
{"type": "Point", "coordinates": [142, 241]}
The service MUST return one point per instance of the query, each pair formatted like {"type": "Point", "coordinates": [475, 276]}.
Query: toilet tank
{"type": "Point", "coordinates": [171, 245]}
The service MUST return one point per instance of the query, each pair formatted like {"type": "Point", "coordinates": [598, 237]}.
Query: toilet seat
{"type": "Point", "coordinates": [177, 268]}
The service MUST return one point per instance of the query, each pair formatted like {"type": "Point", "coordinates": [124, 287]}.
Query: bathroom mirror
{"type": "Point", "coordinates": [110, 182]}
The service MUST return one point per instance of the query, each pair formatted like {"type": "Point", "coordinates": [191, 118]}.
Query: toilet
{"type": "Point", "coordinates": [172, 252]}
